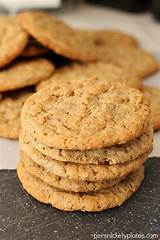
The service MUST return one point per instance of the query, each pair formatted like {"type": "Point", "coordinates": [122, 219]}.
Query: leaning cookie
{"type": "Point", "coordinates": [13, 40]}
{"type": "Point", "coordinates": [58, 36]}
{"type": "Point", "coordinates": [153, 95]}
{"type": "Point", "coordinates": [69, 201]}
{"type": "Point", "coordinates": [10, 110]}
{"type": "Point", "coordinates": [25, 73]}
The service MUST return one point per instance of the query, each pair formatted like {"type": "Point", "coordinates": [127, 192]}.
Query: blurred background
{"type": "Point", "coordinates": [134, 6]}
{"type": "Point", "coordinates": [140, 18]}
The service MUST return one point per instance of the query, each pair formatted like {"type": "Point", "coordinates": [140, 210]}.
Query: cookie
{"type": "Point", "coordinates": [64, 183]}
{"type": "Point", "coordinates": [153, 94]}
{"type": "Point", "coordinates": [115, 48]}
{"type": "Point", "coordinates": [137, 61]}
{"type": "Point", "coordinates": [87, 46]}
{"type": "Point", "coordinates": [69, 201]}
{"type": "Point", "coordinates": [86, 117]}
{"type": "Point", "coordinates": [111, 37]}
{"type": "Point", "coordinates": [25, 73]}
{"type": "Point", "coordinates": [58, 36]}
{"type": "Point", "coordinates": [84, 172]}
{"type": "Point", "coordinates": [10, 110]}
{"type": "Point", "coordinates": [13, 40]}
{"type": "Point", "coordinates": [75, 73]}
{"type": "Point", "coordinates": [33, 49]}
{"type": "Point", "coordinates": [111, 155]}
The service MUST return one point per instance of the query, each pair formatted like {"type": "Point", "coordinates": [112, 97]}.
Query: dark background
{"type": "Point", "coordinates": [23, 218]}
{"type": "Point", "coordinates": [132, 5]}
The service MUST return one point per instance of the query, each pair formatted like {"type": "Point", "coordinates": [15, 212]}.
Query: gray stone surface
{"type": "Point", "coordinates": [23, 218]}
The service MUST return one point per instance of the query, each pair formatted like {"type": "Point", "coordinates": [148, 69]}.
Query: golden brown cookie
{"type": "Point", "coordinates": [122, 50]}
{"type": "Point", "coordinates": [58, 36]}
{"type": "Point", "coordinates": [64, 183]}
{"type": "Point", "coordinates": [33, 49]}
{"type": "Point", "coordinates": [153, 94]}
{"type": "Point", "coordinates": [10, 110]}
{"type": "Point", "coordinates": [13, 40]}
{"type": "Point", "coordinates": [69, 201]}
{"type": "Point", "coordinates": [88, 46]}
{"type": "Point", "coordinates": [137, 61]}
{"type": "Point", "coordinates": [25, 73]}
{"type": "Point", "coordinates": [111, 37]}
{"type": "Point", "coordinates": [83, 172]}
{"type": "Point", "coordinates": [76, 73]}
{"type": "Point", "coordinates": [86, 117]}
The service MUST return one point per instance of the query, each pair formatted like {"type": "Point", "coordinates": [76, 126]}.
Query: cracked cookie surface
{"type": "Point", "coordinates": [87, 117]}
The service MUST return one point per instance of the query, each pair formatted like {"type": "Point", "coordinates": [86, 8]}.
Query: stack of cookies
{"type": "Point", "coordinates": [83, 148]}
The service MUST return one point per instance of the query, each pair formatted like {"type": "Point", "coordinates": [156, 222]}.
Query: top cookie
{"type": "Point", "coordinates": [13, 40]}
{"type": "Point", "coordinates": [86, 117]}
{"type": "Point", "coordinates": [58, 36]}
{"type": "Point", "coordinates": [75, 73]}
{"type": "Point", "coordinates": [25, 73]}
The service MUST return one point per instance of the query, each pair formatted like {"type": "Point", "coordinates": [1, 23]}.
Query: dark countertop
{"type": "Point", "coordinates": [23, 218]}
